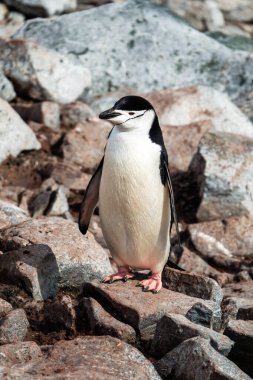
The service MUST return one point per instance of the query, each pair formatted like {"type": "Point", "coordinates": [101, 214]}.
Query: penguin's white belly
{"type": "Point", "coordinates": [134, 204]}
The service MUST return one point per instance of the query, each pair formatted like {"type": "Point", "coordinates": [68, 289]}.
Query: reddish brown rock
{"type": "Point", "coordinates": [79, 258]}
{"type": "Point", "coordinates": [70, 175]}
{"type": "Point", "coordinates": [228, 237]}
{"type": "Point", "coordinates": [193, 285]}
{"type": "Point", "coordinates": [182, 142]}
{"type": "Point", "coordinates": [5, 307]}
{"type": "Point", "coordinates": [88, 358]}
{"type": "Point", "coordinates": [101, 322]}
{"type": "Point", "coordinates": [84, 145]}
{"type": "Point", "coordinates": [143, 310]}
{"type": "Point", "coordinates": [18, 353]}
{"type": "Point", "coordinates": [242, 289]}
{"type": "Point", "coordinates": [13, 327]}
{"type": "Point", "coordinates": [196, 359]}
{"type": "Point", "coordinates": [173, 329]}
{"type": "Point", "coordinates": [61, 312]}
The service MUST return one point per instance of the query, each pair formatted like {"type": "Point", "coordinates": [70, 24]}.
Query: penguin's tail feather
{"type": "Point", "coordinates": [172, 265]}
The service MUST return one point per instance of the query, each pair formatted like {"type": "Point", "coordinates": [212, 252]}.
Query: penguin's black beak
{"type": "Point", "coordinates": [109, 114]}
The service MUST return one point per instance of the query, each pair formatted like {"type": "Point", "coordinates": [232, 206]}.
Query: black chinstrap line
{"type": "Point", "coordinates": [132, 118]}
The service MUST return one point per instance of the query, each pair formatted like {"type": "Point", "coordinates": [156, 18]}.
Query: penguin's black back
{"type": "Point", "coordinates": [156, 137]}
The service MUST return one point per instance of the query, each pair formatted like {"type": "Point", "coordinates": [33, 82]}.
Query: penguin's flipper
{"type": "Point", "coordinates": [90, 199]}
{"type": "Point", "coordinates": [172, 204]}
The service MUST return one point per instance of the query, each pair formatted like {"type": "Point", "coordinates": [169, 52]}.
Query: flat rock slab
{"type": "Point", "coordinates": [13, 327]}
{"type": "Point", "coordinates": [79, 258]}
{"type": "Point", "coordinates": [196, 359]}
{"type": "Point", "coordinates": [173, 329]}
{"type": "Point", "coordinates": [88, 358]}
{"type": "Point", "coordinates": [228, 237]}
{"type": "Point", "coordinates": [17, 353]}
{"type": "Point", "coordinates": [193, 285]}
{"type": "Point", "coordinates": [103, 323]}
{"type": "Point", "coordinates": [143, 310]}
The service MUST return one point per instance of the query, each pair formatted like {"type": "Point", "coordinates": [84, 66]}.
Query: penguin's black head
{"type": "Point", "coordinates": [129, 111]}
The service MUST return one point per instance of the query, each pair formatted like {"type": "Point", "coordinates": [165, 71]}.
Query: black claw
{"type": "Point", "coordinates": [155, 291]}
{"type": "Point", "coordinates": [146, 289]}
{"type": "Point", "coordinates": [138, 284]}
{"type": "Point", "coordinates": [125, 279]}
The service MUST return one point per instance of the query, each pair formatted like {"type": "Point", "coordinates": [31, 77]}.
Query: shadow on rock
{"type": "Point", "coordinates": [34, 267]}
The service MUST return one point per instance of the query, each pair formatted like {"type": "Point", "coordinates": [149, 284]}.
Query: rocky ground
{"type": "Point", "coordinates": [57, 72]}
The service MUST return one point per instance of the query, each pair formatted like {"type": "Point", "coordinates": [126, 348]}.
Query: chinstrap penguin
{"type": "Point", "coordinates": [133, 187]}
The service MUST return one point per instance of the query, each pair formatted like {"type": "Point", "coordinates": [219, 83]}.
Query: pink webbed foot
{"type": "Point", "coordinates": [152, 284]}
{"type": "Point", "coordinates": [122, 274]}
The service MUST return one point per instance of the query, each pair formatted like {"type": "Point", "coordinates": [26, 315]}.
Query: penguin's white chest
{"type": "Point", "coordinates": [134, 204]}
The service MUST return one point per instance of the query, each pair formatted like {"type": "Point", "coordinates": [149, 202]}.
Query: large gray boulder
{"type": "Point", "coordinates": [154, 49]}
{"type": "Point", "coordinates": [15, 135]}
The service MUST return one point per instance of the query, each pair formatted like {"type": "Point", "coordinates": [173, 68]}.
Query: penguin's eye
{"type": "Point", "coordinates": [130, 113]}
